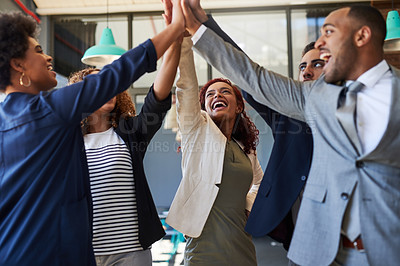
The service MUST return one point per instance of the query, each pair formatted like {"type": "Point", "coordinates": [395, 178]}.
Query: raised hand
{"type": "Point", "coordinates": [192, 23]}
{"type": "Point", "coordinates": [173, 32]}
{"type": "Point", "coordinates": [167, 11]}
{"type": "Point", "coordinates": [177, 14]}
{"type": "Point", "coordinates": [168, 17]}
{"type": "Point", "coordinates": [197, 10]}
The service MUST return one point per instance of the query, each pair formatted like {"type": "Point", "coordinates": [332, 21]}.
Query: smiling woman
{"type": "Point", "coordinates": [35, 70]}
{"type": "Point", "coordinates": [221, 172]}
{"type": "Point", "coordinates": [225, 105]}
{"type": "Point", "coordinates": [46, 206]}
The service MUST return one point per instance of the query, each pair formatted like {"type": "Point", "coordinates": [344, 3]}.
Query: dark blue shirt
{"type": "Point", "coordinates": [45, 202]}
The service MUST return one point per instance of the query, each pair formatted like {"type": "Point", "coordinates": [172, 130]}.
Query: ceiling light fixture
{"type": "Point", "coordinates": [105, 52]}
{"type": "Point", "coordinates": [392, 40]}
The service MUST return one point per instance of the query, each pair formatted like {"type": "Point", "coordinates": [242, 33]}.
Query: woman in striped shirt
{"type": "Point", "coordinates": [116, 140]}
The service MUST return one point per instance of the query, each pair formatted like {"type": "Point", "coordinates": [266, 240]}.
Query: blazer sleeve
{"type": "Point", "coordinates": [258, 174]}
{"type": "Point", "coordinates": [280, 93]}
{"type": "Point", "coordinates": [150, 118]}
{"type": "Point", "coordinates": [79, 100]}
{"type": "Point", "coordinates": [187, 91]}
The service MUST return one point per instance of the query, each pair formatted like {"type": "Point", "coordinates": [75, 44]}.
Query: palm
{"type": "Point", "coordinates": [177, 15]}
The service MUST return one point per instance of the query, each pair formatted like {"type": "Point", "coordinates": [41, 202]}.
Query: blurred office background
{"type": "Point", "coordinates": [272, 32]}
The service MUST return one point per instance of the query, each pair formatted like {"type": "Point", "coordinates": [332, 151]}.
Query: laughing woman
{"type": "Point", "coordinates": [45, 203]}
{"type": "Point", "coordinates": [221, 172]}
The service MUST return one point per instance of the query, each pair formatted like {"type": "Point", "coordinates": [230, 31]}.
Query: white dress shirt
{"type": "Point", "coordinates": [373, 105]}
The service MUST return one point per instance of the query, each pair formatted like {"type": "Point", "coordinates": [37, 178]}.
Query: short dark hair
{"type": "Point", "coordinates": [15, 28]}
{"type": "Point", "coordinates": [371, 17]}
{"type": "Point", "coordinates": [308, 48]}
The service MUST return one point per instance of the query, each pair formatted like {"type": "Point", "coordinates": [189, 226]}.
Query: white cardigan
{"type": "Point", "coordinates": [203, 150]}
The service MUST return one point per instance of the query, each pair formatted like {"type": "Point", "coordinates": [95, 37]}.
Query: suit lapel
{"type": "Point", "coordinates": [332, 92]}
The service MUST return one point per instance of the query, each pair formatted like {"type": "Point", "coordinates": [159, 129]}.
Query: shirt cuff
{"type": "Point", "coordinates": [197, 35]}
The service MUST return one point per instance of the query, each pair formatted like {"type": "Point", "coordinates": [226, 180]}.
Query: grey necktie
{"type": "Point", "coordinates": [346, 112]}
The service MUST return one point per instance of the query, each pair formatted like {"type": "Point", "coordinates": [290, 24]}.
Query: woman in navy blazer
{"type": "Point", "coordinates": [45, 202]}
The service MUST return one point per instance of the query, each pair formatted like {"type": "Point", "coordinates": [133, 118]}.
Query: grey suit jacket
{"type": "Point", "coordinates": [337, 165]}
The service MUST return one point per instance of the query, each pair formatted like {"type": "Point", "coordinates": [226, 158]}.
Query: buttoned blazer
{"type": "Point", "coordinates": [337, 166]}
{"type": "Point", "coordinates": [287, 169]}
{"type": "Point", "coordinates": [203, 150]}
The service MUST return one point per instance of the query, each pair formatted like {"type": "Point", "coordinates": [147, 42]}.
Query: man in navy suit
{"type": "Point", "coordinates": [275, 208]}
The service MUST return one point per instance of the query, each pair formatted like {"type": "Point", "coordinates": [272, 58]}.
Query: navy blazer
{"type": "Point", "coordinates": [286, 172]}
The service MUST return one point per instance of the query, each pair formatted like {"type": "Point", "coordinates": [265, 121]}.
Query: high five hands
{"type": "Point", "coordinates": [193, 13]}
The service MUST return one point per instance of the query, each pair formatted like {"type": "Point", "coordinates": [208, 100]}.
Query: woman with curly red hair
{"type": "Point", "coordinates": [244, 129]}
{"type": "Point", "coordinates": [221, 172]}
{"type": "Point", "coordinates": [125, 220]}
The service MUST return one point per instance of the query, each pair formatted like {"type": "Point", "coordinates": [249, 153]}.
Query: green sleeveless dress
{"type": "Point", "coordinates": [223, 240]}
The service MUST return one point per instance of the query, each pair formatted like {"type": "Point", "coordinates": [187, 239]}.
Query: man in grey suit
{"type": "Point", "coordinates": [350, 213]}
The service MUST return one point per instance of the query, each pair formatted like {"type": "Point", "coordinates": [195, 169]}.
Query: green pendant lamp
{"type": "Point", "coordinates": [392, 41]}
{"type": "Point", "coordinates": [105, 52]}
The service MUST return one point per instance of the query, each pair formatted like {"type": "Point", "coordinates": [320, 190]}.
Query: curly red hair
{"type": "Point", "coordinates": [124, 106]}
{"type": "Point", "coordinates": [244, 130]}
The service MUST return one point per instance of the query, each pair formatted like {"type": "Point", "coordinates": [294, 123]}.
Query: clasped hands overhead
{"type": "Point", "coordinates": [184, 13]}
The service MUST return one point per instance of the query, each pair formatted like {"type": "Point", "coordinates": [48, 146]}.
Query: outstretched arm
{"type": "Point", "coordinates": [188, 106]}
{"type": "Point", "coordinates": [165, 38]}
{"type": "Point", "coordinates": [277, 92]}
{"type": "Point", "coordinates": [83, 98]}
{"type": "Point", "coordinates": [187, 90]}
{"type": "Point", "coordinates": [266, 113]}
{"type": "Point", "coordinates": [166, 75]}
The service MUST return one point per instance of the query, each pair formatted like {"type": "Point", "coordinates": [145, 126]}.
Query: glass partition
{"type": "Point", "coordinates": [144, 27]}
{"type": "Point", "coordinates": [306, 25]}
{"type": "Point", "coordinates": [262, 35]}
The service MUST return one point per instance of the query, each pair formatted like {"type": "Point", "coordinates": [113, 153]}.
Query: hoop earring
{"type": "Point", "coordinates": [114, 122]}
{"type": "Point", "coordinates": [21, 80]}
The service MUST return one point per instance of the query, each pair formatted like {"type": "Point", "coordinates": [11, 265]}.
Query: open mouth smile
{"type": "Point", "coordinates": [218, 105]}
{"type": "Point", "coordinates": [325, 56]}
